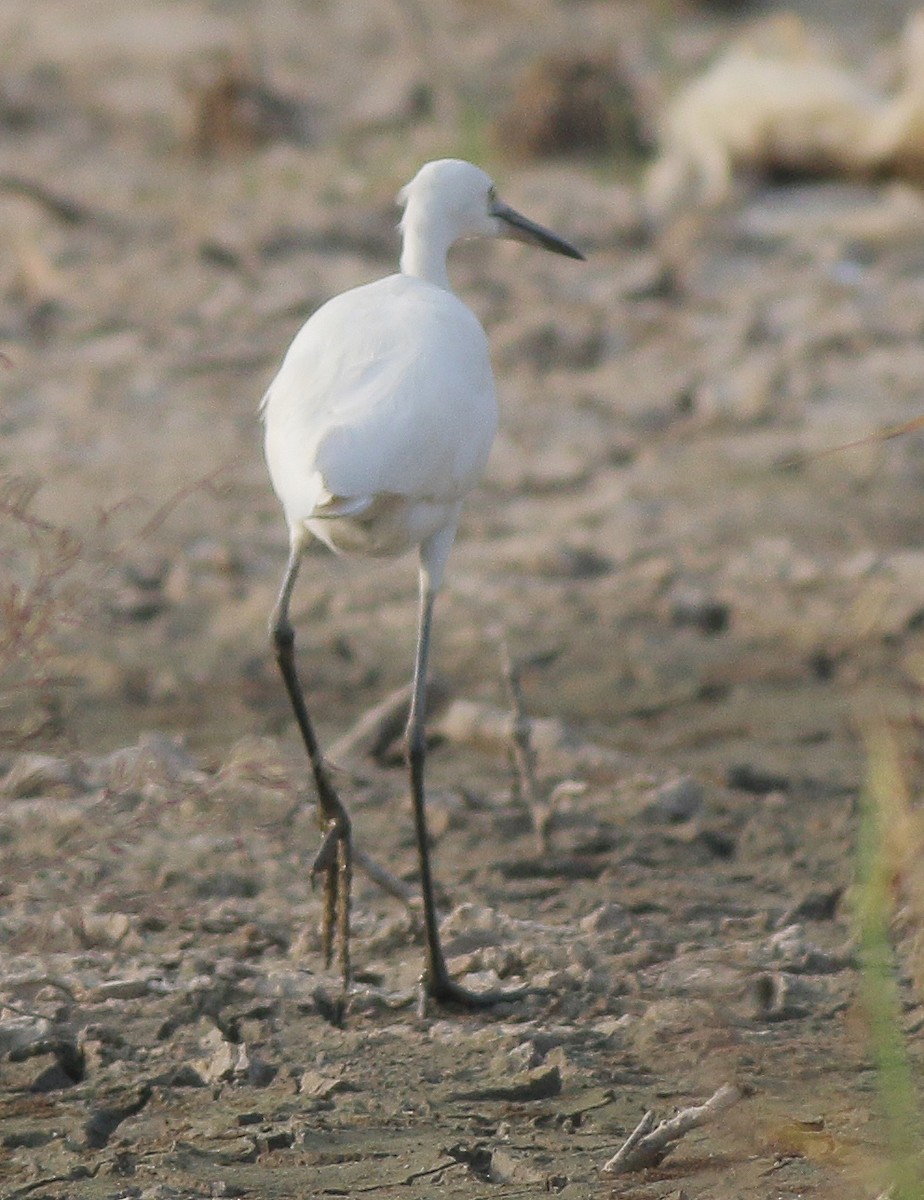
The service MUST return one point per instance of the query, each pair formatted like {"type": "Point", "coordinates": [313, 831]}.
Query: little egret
{"type": "Point", "coordinates": [378, 424]}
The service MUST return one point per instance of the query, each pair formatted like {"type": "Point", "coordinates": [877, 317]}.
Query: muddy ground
{"type": "Point", "coordinates": [713, 616]}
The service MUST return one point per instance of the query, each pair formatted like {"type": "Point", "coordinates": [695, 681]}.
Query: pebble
{"type": "Point", "coordinates": [512, 1168]}
{"type": "Point", "coordinates": [606, 918]}
{"type": "Point", "coordinates": [780, 996]}
{"type": "Point", "coordinates": [677, 800]}
{"type": "Point", "coordinates": [38, 774]}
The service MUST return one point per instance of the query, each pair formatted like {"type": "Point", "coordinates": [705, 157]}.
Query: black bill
{"type": "Point", "coordinates": [521, 229]}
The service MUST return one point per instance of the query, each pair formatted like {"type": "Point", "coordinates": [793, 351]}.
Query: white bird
{"type": "Point", "coordinates": [378, 424]}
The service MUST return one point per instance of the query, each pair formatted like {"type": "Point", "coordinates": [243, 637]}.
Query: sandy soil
{"type": "Point", "coordinates": [712, 612]}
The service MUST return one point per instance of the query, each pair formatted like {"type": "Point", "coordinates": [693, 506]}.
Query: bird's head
{"type": "Point", "coordinates": [462, 199]}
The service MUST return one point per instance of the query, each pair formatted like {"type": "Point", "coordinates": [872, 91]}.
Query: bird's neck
{"type": "Point", "coordinates": [424, 251]}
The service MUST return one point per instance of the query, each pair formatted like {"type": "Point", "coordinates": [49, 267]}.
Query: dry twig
{"type": "Point", "coordinates": [379, 727]}
{"type": "Point", "coordinates": [648, 1145]}
{"type": "Point", "coordinates": [66, 210]}
{"type": "Point", "coordinates": [522, 752]}
{"type": "Point", "coordinates": [878, 435]}
{"type": "Point", "coordinates": [389, 883]}
{"type": "Point", "coordinates": [31, 612]}
{"type": "Point", "coordinates": [210, 484]}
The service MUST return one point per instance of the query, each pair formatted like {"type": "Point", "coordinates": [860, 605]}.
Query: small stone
{"type": "Point", "coordinates": [779, 996]}
{"type": "Point", "coordinates": [524, 1057]}
{"type": "Point", "coordinates": [820, 905]}
{"type": "Point", "coordinates": [745, 777]}
{"type": "Point", "coordinates": [703, 612]}
{"type": "Point", "coordinates": [183, 1076]}
{"type": "Point", "coordinates": [37, 775]}
{"type": "Point", "coordinates": [605, 919]}
{"type": "Point", "coordinates": [507, 1167]}
{"type": "Point", "coordinates": [104, 929]}
{"type": "Point", "coordinates": [122, 989]}
{"type": "Point", "coordinates": [222, 1059]}
{"type": "Point", "coordinates": [539, 1084]}
{"type": "Point", "coordinates": [677, 800]}
{"type": "Point", "coordinates": [319, 1086]}
{"type": "Point", "coordinates": [794, 952]}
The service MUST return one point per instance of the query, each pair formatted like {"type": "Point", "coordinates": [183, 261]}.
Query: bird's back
{"type": "Point", "coordinates": [386, 391]}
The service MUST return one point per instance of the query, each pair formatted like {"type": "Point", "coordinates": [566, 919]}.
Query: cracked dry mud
{"type": "Point", "coordinates": [713, 614]}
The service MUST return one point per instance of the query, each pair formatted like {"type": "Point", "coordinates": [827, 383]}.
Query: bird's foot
{"type": "Point", "coordinates": [445, 991]}
{"type": "Point", "coordinates": [334, 861]}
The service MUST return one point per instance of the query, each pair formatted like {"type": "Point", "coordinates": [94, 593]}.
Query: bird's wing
{"type": "Point", "coordinates": [386, 389]}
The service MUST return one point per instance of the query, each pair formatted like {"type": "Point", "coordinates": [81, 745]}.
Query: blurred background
{"type": "Point", "coordinates": [183, 183]}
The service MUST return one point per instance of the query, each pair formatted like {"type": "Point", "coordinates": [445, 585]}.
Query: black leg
{"type": "Point", "coordinates": [334, 859]}
{"type": "Point", "coordinates": [436, 981]}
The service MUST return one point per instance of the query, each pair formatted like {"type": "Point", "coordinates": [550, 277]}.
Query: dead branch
{"type": "Point", "coordinates": [522, 752]}
{"type": "Point", "coordinates": [55, 582]}
{"type": "Point", "coordinates": [558, 750]}
{"type": "Point", "coordinates": [623, 1159]}
{"type": "Point", "coordinates": [387, 882]}
{"type": "Point", "coordinates": [379, 727]}
{"type": "Point", "coordinates": [16, 495]}
{"type": "Point", "coordinates": [878, 435]}
{"type": "Point", "coordinates": [205, 483]}
{"type": "Point", "coordinates": [647, 1146]}
{"type": "Point", "coordinates": [34, 609]}
{"type": "Point", "coordinates": [70, 212]}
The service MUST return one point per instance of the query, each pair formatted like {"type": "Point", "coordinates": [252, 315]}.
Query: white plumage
{"type": "Point", "coordinates": [378, 424]}
{"type": "Point", "coordinates": [382, 417]}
